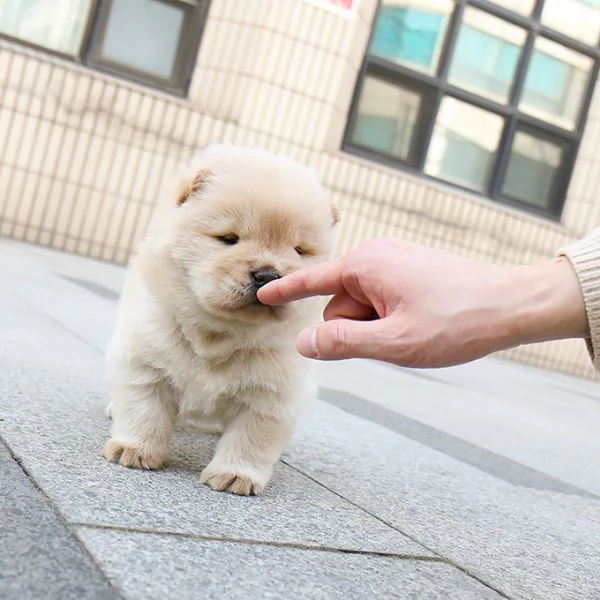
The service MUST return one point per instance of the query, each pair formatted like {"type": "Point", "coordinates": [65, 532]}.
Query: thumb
{"type": "Point", "coordinates": [343, 338]}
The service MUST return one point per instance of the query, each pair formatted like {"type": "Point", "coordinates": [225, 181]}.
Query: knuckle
{"type": "Point", "coordinates": [351, 277]}
{"type": "Point", "coordinates": [338, 340]}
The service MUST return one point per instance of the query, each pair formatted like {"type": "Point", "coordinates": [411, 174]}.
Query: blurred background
{"type": "Point", "coordinates": [470, 125]}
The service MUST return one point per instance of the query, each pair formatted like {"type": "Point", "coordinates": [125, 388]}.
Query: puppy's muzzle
{"type": "Point", "coordinates": [263, 276]}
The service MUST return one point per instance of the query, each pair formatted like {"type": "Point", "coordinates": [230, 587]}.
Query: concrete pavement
{"type": "Point", "coordinates": [475, 482]}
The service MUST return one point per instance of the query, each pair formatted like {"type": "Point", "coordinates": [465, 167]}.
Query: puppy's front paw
{"type": "Point", "coordinates": [227, 480]}
{"type": "Point", "coordinates": [135, 457]}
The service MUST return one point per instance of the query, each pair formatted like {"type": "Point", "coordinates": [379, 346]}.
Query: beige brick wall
{"type": "Point", "coordinates": [83, 155]}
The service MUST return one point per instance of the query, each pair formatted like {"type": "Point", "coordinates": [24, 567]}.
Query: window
{"type": "Point", "coordinates": [150, 41]}
{"type": "Point", "coordinates": [490, 96]}
{"type": "Point", "coordinates": [388, 117]}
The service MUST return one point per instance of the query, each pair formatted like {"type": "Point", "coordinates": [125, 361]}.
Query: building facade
{"type": "Point", "coordinates": [469, 125]}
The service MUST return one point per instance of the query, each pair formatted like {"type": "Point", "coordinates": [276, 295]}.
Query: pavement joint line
{"type": "Point", "coordinates": [54, 508]}
{"type": "Point", "coordinates": [472, 454]}
{"type": "Point", "coordinates": [57, 322]}
{"type": "Point", "coordinates": [91, 286]}
{"type": "Point", "coordinates": [578, 392]}
{"type": "Point", "coordinates": [254, 542]}
{"type": "Point", "coordinates": [418, 374]}
{"type": "Point", "coordinates": [440, 558]}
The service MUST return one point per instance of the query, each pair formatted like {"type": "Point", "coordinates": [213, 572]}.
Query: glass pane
{"type": "Point", "coordinates": [411, 32]}
{"type": "Point", "coordinates": [56, 25]}
{"type": "Point", "coordinates": [579, 19]}
{"type": "Point", "coordinates": [531, 168]}
{"type": "Point", "coordinates": [464, 144]}
{"type": "Point", "coordinates": [555, 83]}
{"type": "Point", "coordinates": [486, 55]}
{"type": "Point", "coordinates": [144, 35]}
{"type": "Point", "coordinates": [387, 118]}
{"type": "Point", "coordinates": [523, 7]}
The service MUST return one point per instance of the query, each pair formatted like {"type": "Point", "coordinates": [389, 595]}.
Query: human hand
{"type": "Point", "coordinates": [420, 307]}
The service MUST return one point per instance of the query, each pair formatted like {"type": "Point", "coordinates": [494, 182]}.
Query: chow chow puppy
{"type": "Point", "coordinates": [193, 340]}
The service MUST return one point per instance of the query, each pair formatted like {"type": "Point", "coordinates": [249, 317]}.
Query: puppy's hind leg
{"type": "Point", "coordinates": [143, 414]}
{"type": "Point", "coordinates": [250, 446]}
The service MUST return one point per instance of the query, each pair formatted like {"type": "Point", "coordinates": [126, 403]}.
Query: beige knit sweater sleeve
{"type": "Point", "coordinates": [584, 255]}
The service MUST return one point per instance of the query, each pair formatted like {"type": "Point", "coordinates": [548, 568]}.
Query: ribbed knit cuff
{"type": "Point", "coordinates": [584, 255]}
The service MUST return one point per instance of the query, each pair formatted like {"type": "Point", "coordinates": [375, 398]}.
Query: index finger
{"type": "Point", "coordinates": [319, 280]}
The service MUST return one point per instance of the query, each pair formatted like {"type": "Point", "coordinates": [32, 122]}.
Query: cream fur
{"type": "Point", "coordinates": [189, 342]}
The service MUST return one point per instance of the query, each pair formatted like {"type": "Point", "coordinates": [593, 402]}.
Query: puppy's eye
{"type": "Point", "coordinates": [300, 251]}
{"type": "Point", "coordinates": [230, 239]}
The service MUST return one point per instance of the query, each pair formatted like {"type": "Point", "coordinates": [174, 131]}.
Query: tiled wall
{"type": "Point", "coordinates": [83, 155]}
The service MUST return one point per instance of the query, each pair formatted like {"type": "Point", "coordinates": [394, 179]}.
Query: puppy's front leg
{"type": "Point", "coordinates": [143, 415]}
{"type": "Point", "coordinates": [250, 446]}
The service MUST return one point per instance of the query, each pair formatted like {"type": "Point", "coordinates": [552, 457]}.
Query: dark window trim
{"type": "Point", "coordinates": [426, 111]}
{"type": "Point", "coordinates": [87, 32]}
{"type": "Point", "coordinates": [438, 87]}
{"type": "Point", "coordinates": [561, 178]}
{"type": "Point", "coordinates": [530, 22]}
{"type": "Point", "coordinates": [88, 53]}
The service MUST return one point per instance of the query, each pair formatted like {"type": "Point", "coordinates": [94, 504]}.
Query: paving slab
{"type": "Point", "coordinates": [63, 290]}
{"type": "Point", "coordinates": [544, 423]}
{"type": "Point", "coordinates": [142, 565]}
{"type": "Point", "coordinates": [492, 466]}
{"type": "Point", "coordinates": [484, 375]}
{"type": "Point", "coordinates": [39, 557]}
{"type": "Point", "coordinates": [24, 257]}
{"type": "Point", "coordinates": [52, 418]}
{"type": "Point", "coordinates": [524, 542]}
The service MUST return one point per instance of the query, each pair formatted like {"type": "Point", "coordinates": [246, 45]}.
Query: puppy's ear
{"type": "Point", "coordinates": [335, 216]}
{"type": "Point", "coordinates": [192, 186]}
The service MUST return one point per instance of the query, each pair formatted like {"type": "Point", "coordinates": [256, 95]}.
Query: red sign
{"type": "Point", "coordinates": [347, 4]}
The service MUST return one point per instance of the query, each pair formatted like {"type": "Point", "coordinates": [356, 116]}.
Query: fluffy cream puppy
{"type": "Point", "coordinates": [192, 340]}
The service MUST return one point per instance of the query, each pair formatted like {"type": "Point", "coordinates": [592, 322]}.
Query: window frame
{"type": "Point", "coordinates": [438, 86]}
{"type": "Point", "coordinates": [88, 53]}
{"type": "Point", "coordinates": [426, 111]}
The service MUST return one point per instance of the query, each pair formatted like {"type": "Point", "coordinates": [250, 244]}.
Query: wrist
{"type": "Point", "coordinates": [547, 303]}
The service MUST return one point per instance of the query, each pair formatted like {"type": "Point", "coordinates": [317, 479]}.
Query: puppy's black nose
{"type": "Point", "coordinates": [261, 277]}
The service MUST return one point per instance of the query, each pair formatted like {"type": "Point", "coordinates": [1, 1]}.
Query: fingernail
{"type": "Point", "coordinates": [307, 342]}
